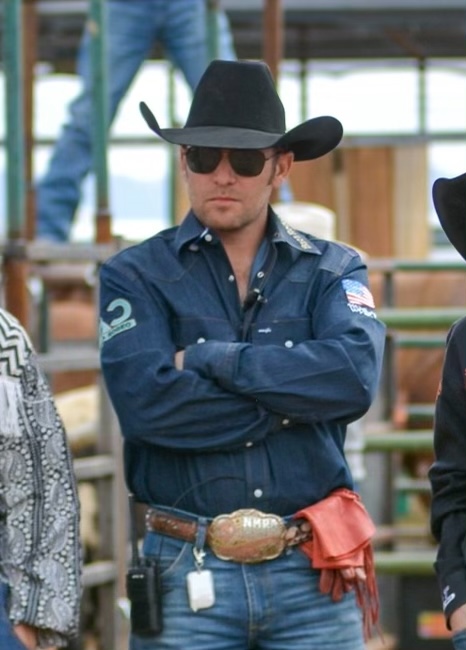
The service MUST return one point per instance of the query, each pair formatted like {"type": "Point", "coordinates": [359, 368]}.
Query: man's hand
{"type": "Point", "coordinates": [179, 359]}
{"type": "Point", "coordinates": [458, 619]}
{"type": "Point", "coordinates": [27, 635]}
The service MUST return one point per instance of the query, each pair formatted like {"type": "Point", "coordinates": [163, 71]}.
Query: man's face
{"type": "Point", "coordinates": [225, 200]}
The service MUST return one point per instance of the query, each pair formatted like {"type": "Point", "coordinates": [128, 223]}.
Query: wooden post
{"type": "Point", "coordinates": [273, 35]}
{"type": "Point", "coordinates": [273, 44]}
{"type": "Point", "coordinates": [369, 177]}
{"type": "Point", "coordinates": [15, 276]}
{"type": "Point", "coordinates": [312, 181]}
{"type": "Point", "coordinates": [410, 222]}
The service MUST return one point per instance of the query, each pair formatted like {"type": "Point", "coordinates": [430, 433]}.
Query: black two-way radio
{"type": "Point", "coordinates": [143, 587]}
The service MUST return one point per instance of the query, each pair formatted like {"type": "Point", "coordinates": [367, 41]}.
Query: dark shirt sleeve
{"type": "Point", "coordinates": [331, 376]}
{"type": "Point", "coordinates": [156, 403]}
{"type": "Point", "coordinates": [448, 473]}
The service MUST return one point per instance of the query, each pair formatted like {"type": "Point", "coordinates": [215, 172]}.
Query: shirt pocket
{"type": "Point", "coordinates": [286, 332]}
{"type": "Point", "coordinates": [188, 331]}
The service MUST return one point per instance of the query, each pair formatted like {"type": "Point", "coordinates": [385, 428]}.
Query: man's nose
{"type": "Point", "coordinates": [224, 171]}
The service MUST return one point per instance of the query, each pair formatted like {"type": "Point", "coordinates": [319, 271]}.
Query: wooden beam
{"type": "Point", "coordinates": [273, 35]}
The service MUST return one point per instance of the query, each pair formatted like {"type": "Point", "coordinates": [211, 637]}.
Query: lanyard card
{"type": "Point", "coordinates": [200, 589]}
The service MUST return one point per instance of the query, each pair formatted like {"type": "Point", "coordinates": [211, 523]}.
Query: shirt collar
{"type": "Point", "coordinates": [283, 232]}
{"type": "Point", "coordinates": [191, 232]}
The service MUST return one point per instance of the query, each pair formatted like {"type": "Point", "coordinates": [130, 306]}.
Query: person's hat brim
{"type": "Point", "coordinates": [312, 139]}
{"type": "Point", "coordinates": [449, 198]}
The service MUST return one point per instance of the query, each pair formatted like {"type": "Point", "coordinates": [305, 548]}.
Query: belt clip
{"type": "Point", "coordinates": [198, 548]}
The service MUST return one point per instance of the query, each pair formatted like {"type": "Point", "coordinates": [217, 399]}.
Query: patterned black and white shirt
{"type": "Point", "coordinates": [40, 552]}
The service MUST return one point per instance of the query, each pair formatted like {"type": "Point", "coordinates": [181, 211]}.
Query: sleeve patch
{"type": "Point", "coordinates": [121, 323]}
{"type": "Point", "coordinates": [358, 294]}
{"type": "Point", "coordinates": [359, 297]}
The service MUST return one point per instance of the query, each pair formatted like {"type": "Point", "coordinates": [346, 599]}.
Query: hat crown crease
{"type": "Point", "coordinates": [244, 99]}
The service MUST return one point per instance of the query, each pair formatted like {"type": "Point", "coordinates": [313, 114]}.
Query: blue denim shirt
{"type": "Point", "coordinates": [257, 417]}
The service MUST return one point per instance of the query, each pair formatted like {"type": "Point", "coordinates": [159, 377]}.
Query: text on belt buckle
{"type": "Point", "coordinates": [247, 536]}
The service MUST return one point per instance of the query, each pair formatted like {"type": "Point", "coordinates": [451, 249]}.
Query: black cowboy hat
{"type": "Point", "coordinates": [449, 196]}
{"type": "Point", "coordinates": [236, 106]}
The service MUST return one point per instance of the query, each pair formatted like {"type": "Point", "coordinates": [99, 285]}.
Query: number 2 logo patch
{"type": "Point", "coordinates": [121, 323]}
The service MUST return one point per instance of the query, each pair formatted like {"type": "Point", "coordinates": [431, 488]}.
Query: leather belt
{"type": "Point", "coordinates": [247, 535]}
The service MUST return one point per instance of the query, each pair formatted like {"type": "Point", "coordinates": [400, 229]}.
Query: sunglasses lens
{"type": "Point", "coordinates": [244, 162]}
{"type": "Point", "coordinates": [203, 160]}
{"type": "Point", "coordinates": [247, 162]}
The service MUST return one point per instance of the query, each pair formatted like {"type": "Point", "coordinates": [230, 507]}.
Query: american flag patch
{"type": "Point", "coordinates": [358, 294]}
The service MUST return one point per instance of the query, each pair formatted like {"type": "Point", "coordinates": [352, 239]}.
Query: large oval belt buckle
{"type": "Point", "coordinates": [247, 536]}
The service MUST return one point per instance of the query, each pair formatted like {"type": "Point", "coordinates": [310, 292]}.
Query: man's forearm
{"type": "Point", "coordinates": [458, 619]}
{"type": "Point", "coordinates": [27, 635]}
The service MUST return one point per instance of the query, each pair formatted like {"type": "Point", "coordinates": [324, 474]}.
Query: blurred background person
{"type": "Point", "coordinates": [181, 27]}
{"type": "Point", "coordinates": [448, 472]}
{"type": "Point", "coordinates": [40, 550]}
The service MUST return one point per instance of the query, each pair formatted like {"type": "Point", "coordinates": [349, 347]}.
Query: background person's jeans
{"type": "Point", "coordinates": [133, 29]}
{"type": "Point", "coordinates": [459, 640]}
{"type": "Point", "coordinates": [8, 640]}
{"type": "Point", "coordinates": [274, 605]}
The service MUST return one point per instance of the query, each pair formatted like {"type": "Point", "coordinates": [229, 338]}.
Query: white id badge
{"type": "Point", "coordinates": [200, 589]}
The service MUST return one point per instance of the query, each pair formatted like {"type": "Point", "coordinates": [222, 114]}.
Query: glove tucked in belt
{"type": "Point", "coordinates": [341, 539]}
{"type": "Point", "coordinates": [246, 535]}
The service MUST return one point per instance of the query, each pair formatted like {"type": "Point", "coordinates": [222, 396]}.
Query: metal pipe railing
{"type": "Point", "coordinates": [212, 28]}
{"type": "Point", "coordinates": [14, 110]}
{"type": "Point", "coordinates": [14, 264]}
{"type": "Point", "coordinates": [100, 122]}
{"type": "Point", "coordinates": [420, 317]}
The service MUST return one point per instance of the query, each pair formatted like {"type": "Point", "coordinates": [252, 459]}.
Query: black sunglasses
{"type": "Point", "coordinates": [244, 162]}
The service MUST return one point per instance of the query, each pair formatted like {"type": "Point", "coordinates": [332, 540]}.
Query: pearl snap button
{"type": "Point", "coordinates": [285, 422]}
{"type": "Point", "coordinates": [201, 339]}
{"type": "Point", "coordinates": [231, 278]}
{"type": "Point", "coordinates": [258, 493]}
{"type": "Point", "coordinates": [249, 444]}
{"type": "Point", "coordinates": [208, 237]}
{"type": "Point", "coordinates": [289, 344]}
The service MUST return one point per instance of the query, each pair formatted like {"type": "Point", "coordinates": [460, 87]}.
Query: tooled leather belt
{"type": "Point", "coordinates": [246, 535]}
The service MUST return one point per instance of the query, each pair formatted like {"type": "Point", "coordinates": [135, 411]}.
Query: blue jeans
{"type": "Point", "coordinates": [132, 30]}
{"type": "Point", "coordinates": [274, 605]}
{"type": "Point", "coordinates": [8, 639]}
{"type": "Point", "coordinates": [459, 640]}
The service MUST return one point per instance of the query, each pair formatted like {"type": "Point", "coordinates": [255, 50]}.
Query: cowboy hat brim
{"type": "Point", "coordinates": [449, 197]}
{"type": "Point", "coordinates": [309, 140]}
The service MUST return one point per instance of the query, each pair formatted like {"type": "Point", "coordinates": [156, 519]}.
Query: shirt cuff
{"type": "Point", "coordinates": [452, 581]}
{"type": "Point", "coordinates": [214, 359]}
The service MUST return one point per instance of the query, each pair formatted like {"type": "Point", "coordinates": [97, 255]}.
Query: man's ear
{"type": "Point", "coordinates": [183, 166]}
{"type": "Point", "coordinates": [283, 167]}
